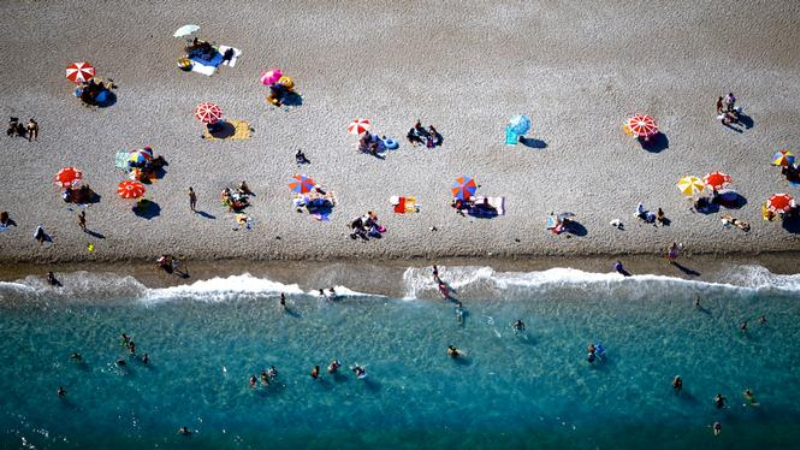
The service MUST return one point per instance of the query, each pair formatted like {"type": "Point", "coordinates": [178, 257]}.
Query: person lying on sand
{"type": "Point", "coordinates": [728, 221]}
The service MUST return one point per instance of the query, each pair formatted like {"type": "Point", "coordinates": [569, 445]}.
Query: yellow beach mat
{"type": "Point", "coordinates": [233, 130]}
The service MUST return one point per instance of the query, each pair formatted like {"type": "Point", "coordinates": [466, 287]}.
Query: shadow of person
{"type": "Point", "coordinates": [655, 144]}
{"type": "Point", "coordinates": [95, 234]}
{"type": "Point", "coordinates": [206, 215]}
{"type": "Point", "coordinates": [532, 143]}
{"type": "Point", "coordinates": [685, 269]}
{"type": "Point", "coordinates": [292, 99]}
{"type": "Point", "coordinates": [791, 223]}
{"type": "Point", "coordinates": [746, 121]}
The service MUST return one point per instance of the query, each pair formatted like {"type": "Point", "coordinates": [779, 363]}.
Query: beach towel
{"type": "Point", "coordinates": [511, 137]}
{"type": "Point", "coordinates": [404, 205]}
{"type": "Point", "coordinates": [551, 222]}
{"type": "Point", "coordinates": [236, 54]}
{"type": "Point", "coordinates": [496, 207]}
{"type": "Point", "coordinates": [236, 130]}
{"type": "Point", "coordinates": [202, 69]}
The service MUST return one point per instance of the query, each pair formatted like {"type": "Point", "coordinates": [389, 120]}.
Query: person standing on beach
{"type": "Point", "coordinates": [283, 300]}
{"type": "Point", "coordinates": [192, 200]}
{"type": "Point", "coordinates": [33, 130]}
{"type": "Point", "coordinates": [82, 221]}
{"type": "Point", "coordinates": [730, 102]}
{"type": "Point", "coordinates": [720, 106]}
{"type": "Point", "coordinates": [672, 252]}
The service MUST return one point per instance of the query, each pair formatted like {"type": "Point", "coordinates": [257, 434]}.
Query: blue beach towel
{"type": "Point", "coordinates": [216, 61]}
{"type": "Point", "coordinates": [512, 138]}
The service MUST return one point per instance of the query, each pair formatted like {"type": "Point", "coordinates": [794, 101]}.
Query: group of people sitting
{"type": "Point", "coordinates": [418, 135]}
{"type": "Point", "coordinates": [317, 202]}
{"type": "Point", "coordinates": [657, 218]}
{"type": "Point", "coordinates": [281, 91]}
{"type": "Point", "coordinates": [81, 195]}
{"type": "Point", "coordinates": [146, 169]}
{"type": "Point", "coordinates": [236, 200]}
{"type": "Point", "coordinates": [205, 51]}
{"type": "Point", "coordinates": [95, 91]}
{"type": "Point", "coordinates": [16, 128]}
{"type": "Point", "coordinates": [374, 144]}
{"type": "Point", "coordinates": [366, 226]}
{"type": "Point", "coordinates": [474, 205]}
{"type": "Point", "coordinates": [791, 172]}
{"type": "Point", "coordinates": [727, 110]}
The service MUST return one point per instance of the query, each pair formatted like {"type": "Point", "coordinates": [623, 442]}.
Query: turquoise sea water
{"type": "Point", "coordinates": [528, 390]}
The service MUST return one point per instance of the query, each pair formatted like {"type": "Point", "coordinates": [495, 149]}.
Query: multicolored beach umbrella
{"type": "Point", "coordinates": [130, 189]}
{"type": "Point", "coordinates": [783, 158]}
{"type": "Point", "coordinates": [140, 156]}
{"type": "Point", "coordinates": [271, 76]}
{"type": "Point", "coordinates": [359, 126]}
{"type": "Point", "coordinates": [781, 203]}
{"type": "Point", "coordinates": [80, 72]}
{"type": "Point", "coordinates": [642, 126]}
{"type": "Point", "coordinates": [464, 188]}
{"type": "Point", "coordinates": [519, 124]}
{"type": "Point", "coordinates": [690, 185]}
{"type": "Point", "coordinates": [68, 177]}
{"type": "Point", "coordinates": [301, 184]}
{"type": "Point", "coordinates": [716, 180]}
{"type": "Point", "coordinates": [208, 113]}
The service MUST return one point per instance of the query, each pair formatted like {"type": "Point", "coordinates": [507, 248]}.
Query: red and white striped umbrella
{"type": "Point", "coordinates": [80, 72]}
{"type": "Point", "coordinates": [208, 113]}
{"type": "Point", "coordinates": [781, 203]}
{"type": "Point", "coordinates": [130, 189]}
{"type": "Point", "coordinates": [642, 126]}
{"type": "Point", "coordinates": [359, 126]}
{"type": "Point", "coordinates": [716, 180]}
{"type": "Point", "coordinates": [68, 177]}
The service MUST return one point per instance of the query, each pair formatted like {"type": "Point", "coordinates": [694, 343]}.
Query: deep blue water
{"type": "Point", "coordinates": [512, 390]}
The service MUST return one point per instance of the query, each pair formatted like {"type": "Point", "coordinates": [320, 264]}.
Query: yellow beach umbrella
{"type": "Point", "coordinates": [690, 185]}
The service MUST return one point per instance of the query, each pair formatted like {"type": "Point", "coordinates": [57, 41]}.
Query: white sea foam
{"type": "Point", "coordinates": [221, 289]}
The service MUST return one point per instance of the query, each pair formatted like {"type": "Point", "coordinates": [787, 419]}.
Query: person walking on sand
{"type": "Point", "coordinates": [192, 200]}
{"type": "Point", "coordinates": [672, 252]}
{"type": "Point", "coordinates": [82, 221]}
{"type": "Point", "coordinates": [720, 106]}
{"type": "Point", "coordinates": [33, 130]}
{"type": "Point", "coordinates": [40, 235]}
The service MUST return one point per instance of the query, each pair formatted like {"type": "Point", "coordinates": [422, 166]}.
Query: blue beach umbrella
{"type": "Point", "coordinates": [519, 124]}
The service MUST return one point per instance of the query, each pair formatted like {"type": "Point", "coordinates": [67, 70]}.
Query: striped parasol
{"type": "Point", "coordinates": [68, 177]}
{"type": "Point", "coordinates": [716, 180]}
{"type": "Point", "coordinates": [781, 203]}
{"type": "Point", "coordinates": [130, 189]}
{"type": "Point", "coordinates": [301, 184]}
{"type": "Point", "coordinates": [690, 185]}
{"type": "Point", "coordinates": [80, 72]}
{"type": "Point", "coordinates": [208, 113]}
{"type": "Point", "coordinates": [783, 158]}
{"type": "Point", "coordinates": [464, 188]}
{"type": "Point", "coordinates": [642, 126]}
{"type": "Point", "coordinates": [359, 126]}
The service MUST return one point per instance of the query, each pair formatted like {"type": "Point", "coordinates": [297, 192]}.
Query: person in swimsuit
{"type": "Point", "coordinates": [453, 352]}
{"type": "Point", "coordinates": [719, 401]}
{"type": "Point", "coordinates": [359, 371]}
{"type": "Point", "coordinates": [677, 384]}
{"type": "Point", "coordinates": [253, 381]}
{"type": "Point", "coordinates": [519, 325]}
{"type": "Point", "coordinates": [272, 372]}
{"type": "Point", "coordinates": [264, 378]}
{"type": "Point", "coordinates": [315, 372]}
{"type": "Point", "coordinates": [333, 367]}
{"type": "Point", "coordinates": [61, 392]}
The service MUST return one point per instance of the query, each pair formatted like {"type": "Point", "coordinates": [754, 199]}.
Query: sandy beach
{"type": "Point", "coordinates": [576, 69]}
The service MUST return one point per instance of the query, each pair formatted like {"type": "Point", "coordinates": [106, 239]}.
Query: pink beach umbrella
{"type": "Point", "coordinates": [80, 72]}
{"type": "Point", "coordinates": [359, 126]}
{"type": "Point", "coordinates": [642, 126]}
{"type": "Point", "coordinates": [208, 113]}
{"type": "Point", "coordinates": [271, 77]}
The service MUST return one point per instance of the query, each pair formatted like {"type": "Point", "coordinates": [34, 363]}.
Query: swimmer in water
{"type": "Point", "coordinates": [283, 300]}
{"type": "Point", "coordinates": [333, 367]}
{"type": "Point", "coordinates": [332, 292]}
{"type": "Point", "coordinates": [125, 339]}
{"type": "Point", "coordinates": [253, 381]}
{"type": "Point", "coordinates": [264, 378]}
{"type": "Point", "coordinates": [315, 372]}
{"type": "Point", "coordinates": [132, 347]}
{"type": "Point", "coordinates": [677, 384]}
{"type": "Point", "coordinates": [272, 372]}
{"type": "Point", "coordinates": [519, 325]}
{"type": "Point", "coordinates": [145, 359]}
{"type": "Point", "coordinates": [76, 357]}
{"type": "Point", "coordinates": [121, 363]}
{"type": "Point", "coordinates": [591, 356]}
{"type": "Point", "coordinates": [322, 294]}
{"type": "Point", "coordinates": [460, 312]}
{"type": "Point", "coordinates": [184, 431]}
{"type": "Point", "coordinates": [61, 392]}
{"type": "Point", "coordinates": [444, 290]}
{"type": "Point", "coordinates": [359, 371]}
{"type": "Point", "coordinates": [697, 301]}
{"type": "Point", "coordinates": [762, 320]}
{"type": "Point", "coordinates": [751, 399]}
{"type": "Point", "coordinates": [453, 352]}
{"type": "Point", "coordinates": [717, 428]}
{"type": "Point", "coordinates": [52, 280]}
{"type": "Point", "coordinates": [743, 327]}
{"type": "Point", "coordinates": [436, 274]}
{"type": "Point", "coordinates": [719, 401]}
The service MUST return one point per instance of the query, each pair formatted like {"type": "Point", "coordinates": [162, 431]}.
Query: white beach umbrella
{"type": "Point", "coordinates": [186, 30]}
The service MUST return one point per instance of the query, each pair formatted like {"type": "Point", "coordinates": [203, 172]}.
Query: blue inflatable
{"type": "Point", "coordinates": [391, 144]}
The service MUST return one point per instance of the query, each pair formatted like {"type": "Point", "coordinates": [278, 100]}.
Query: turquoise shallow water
{"type": "Point", "coordinates": [528, 390]}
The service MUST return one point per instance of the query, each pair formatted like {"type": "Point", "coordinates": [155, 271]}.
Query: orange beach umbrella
{"type": "Point", "coordinates": [130, 189]}
{"type": "Point", "coordinates": [68, 177]}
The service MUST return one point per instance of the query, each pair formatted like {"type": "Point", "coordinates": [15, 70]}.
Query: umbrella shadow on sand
{"type": "Point", "coordinates": [792, 224]}
{"type": "Point", "coordinates": [292, 99]}
{"type": "Point", "coordinates": [656, 144]}
{"type": "Point", "coordinates": [147, 210]}
{"type": "Point", "coordinates": [222, 130]}
{"type": "Point", "coordinates": [576, 229]}
{"type": "Point", "coordinates": [532, 143]}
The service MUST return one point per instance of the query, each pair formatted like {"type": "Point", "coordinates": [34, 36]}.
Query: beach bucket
{"type": "Point", "coordinates": [185, 64]}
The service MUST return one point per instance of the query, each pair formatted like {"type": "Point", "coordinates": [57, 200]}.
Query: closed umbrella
{"type": "Point", "coordinates": [690, 186]}
{"type": "Point", "coordinates": [80, 72]}
{"type": "Point", "coordinates": [208, 113]}
{"type": "Point", "coordinates": [301, 184]}
{"type": "Point", "coordinates": [359, 126]}
{"type": "Point", "coordinates": [783, 158]}
{"type": "Point", "coordinates": [716, 180]}
{"type": "Point", "coordinates": [130, 189]}
{"type": "Point", "coordinates": [464, 188]}
{"type": "Point", "coordinates": [68, 177]}
{"type": "Point", "coordinates": [781, 203]}
{"type": "Point", "coordinates": [642, 126]}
